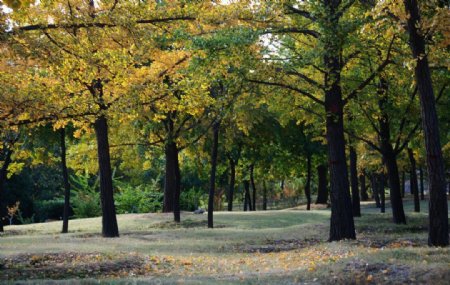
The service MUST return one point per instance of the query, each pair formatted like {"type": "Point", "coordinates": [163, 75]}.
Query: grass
{"type": "Point", "coordinates": [273, 247]}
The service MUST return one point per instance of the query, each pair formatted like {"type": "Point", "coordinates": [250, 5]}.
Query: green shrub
{"type": "Point", "coordinates": [192, 199]}
{"type": "Point", "coordinates": [140, 199]}
{"type": "Point", "coordinates": [48, 209]}
{"type": "Point", "coordinates": [85, 197]}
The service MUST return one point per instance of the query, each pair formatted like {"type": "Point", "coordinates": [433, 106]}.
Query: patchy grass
{"type": "Point", "coordinates": [274, 247]}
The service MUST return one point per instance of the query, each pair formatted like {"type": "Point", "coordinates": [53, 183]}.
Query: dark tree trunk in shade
{"type": "Point", "coordinates": [381, 185]}
{"type": "Point", "coordinates": [362, 182]}
{"type": "Point", "coordinates": [247, 200]}
{"type": "Point", "coordinates": [403, 183]}
{"type": "Point", "coordinates": [109, 220]}
{"type": "Point", "coordinates": [212, 181]}
{"type": "Point", "coordinates": [3, 176]}
{"type": "Point", "coordinates": [389, 155]}
{"type": "Point", "coordinates": [252, 181]}
{"type": "Point", "coordinates": [65, 174]}
{"type": "Point", "coordinates": [322, 188]}
{"type": "Point", "coordinates": [356, 208]}
{"type": "Point", "coordinates": [341, 224]}
{"type": "Point", "coordinates": [177, 190]}
{"type": "Point", "coordinates": [422, 188]}
{"type": "Point", "coordinates": [232, 183]}
{"type": "Point", "coordinates": [375, 190]}
{"type": "Point", "coordinates": [169, 178]}
{"type": "Point", "coordinates": [438, 207]}
{"type": "Point", "coordinates": [413, 180]}
{"type": "Point", "coordinates": [308, 182]}
{"type": "Point", "coordinates": [264, 206]}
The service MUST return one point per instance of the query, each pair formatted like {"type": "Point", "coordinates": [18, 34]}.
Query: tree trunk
{"type": "Point", "coordinates": [65, 227]}
{"type": "Point", "coordinates": [247, 200]}
{"type": "Point", "coordinates": [109, 220]}
{"type": "Point", "coordinates": [322, 188]}
{"type": "Point", "coordinates": [232, 182]}
{"type": "Point", "coordinates": [177, 189]}
{"type": "Point", "coordinates": [212, 182]}
{"type": "Point", "coordinates": [413, 180]}
{"type": "Point", "coordinates": [438, 207]}
{"type": "Point", "coordinates": [3, 176]}
{"type": "Point", "coordinates": [362, 181]}
{"type": "Point", "coordinates": [341, 224]}
{"type": "Point", "coordinates": [264, 206]}
{"type": "Point", "coordinates": [381, 185]}
{"type": "Point", "coordinates": [308, 182]}
{"type": "Point", "coordinates": [375, 190]}
{"type": "Point", "coordinates": [422, 188]}
{"type": "Point", "coordinates": [403, 183]}
{"type": "Point", "coordinates": [252, 181]}
{"type": "Point", "coordinates": [169, 178]}
{"type": "Point", "coordinates": [356, 207]}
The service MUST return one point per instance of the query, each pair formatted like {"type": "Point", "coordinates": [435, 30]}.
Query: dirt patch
{"type": "Point", "coordinates": [80, 265]}
{"type": "Point", "coordinates": [277, 245]}
{"type": "Point", "coordinates": [186, 224]}
{"type": "Point", "coordinates": [389, 243]}
{"type": "Point", "coordinates": [361, 271]}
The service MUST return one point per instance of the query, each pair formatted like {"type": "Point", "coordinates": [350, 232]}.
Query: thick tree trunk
{"type": "Point", "coordinates": [356, 207]}
{"type": "Point", "coordinates": [3, 176]}
{"type": "Point", "coordinates": [341, 224]}
{"type": "Point", "coordinates": [232, 183]}
{"type": "Point", "coordinates": [322, 188]}
{"type": "Point", "coordinates": [252, 181]}
{"type": "Point", "coordinates": [422, 188]}
{"type": "Point", "coordinates": [403, 183]}
{"type": "Point", "coordinates": [264, 206]}
{"type": "Point", "coordinates": [375, 189]}
{"type": "Point", "coordinates": [212, 181]}
{"type": "Point", "coordinates": [109, 220]}
{"type": "Point", "coordinates": [308, 182]}
{"type": "Point", "coordinates": [247, 200]}
{"type": "Point", "coordinates": [438, 207]}
{"type": "Point", "coordinates": [65, 174]}
{"type": "Point", "coordinates": [362, 182]}
{"type": "Point", "coordinates": [413, 180]}
{"type": "Point", "coordinates": [177, 192]}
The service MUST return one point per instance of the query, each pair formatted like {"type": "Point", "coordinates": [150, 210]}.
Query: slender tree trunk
{"type": "Point", "coordinates": [252, 181]}
{"type": "Point", "coordinates": [322, 188]}
{"type": "Point", "coordinates": [375, 190]}
{"type": "Point", "coordinates": [169, 178]}
{"type": "Point", "coordinates": [341, 224]}
{"type": "Point", "coordinates": [362, 181]}
{"type": "Point", "coordinates": [212, 182]}
{"type": "Point", "coordinates": [413, 180]}
{"type": "Point", "coordinates": [232, 182]}
{"type": "Point", "coordinates": [356, 207]}
{"type": "Point", "coordinates": [403, 183]}
{"type": "Point", "coordinates": [109, 220]}
{"type": "Point", "coordinates": [381, 186]}
{"type": "Point", "coordinates": [247, 200]}
{"type": "Point", "coordinates": [438, 213]}
{"type": "Point", "coordinates": [177, 189]}
{"type": "Point", "coordinates": [308, 182]}
{"type": "Point", "coordinates": [264, 206]}
{"type": "Point", "coordinates": [65, 227]}
{"type": "Point", "coordinates": [3, 176]}
{"type": "Point", "coordinates": [422, 188]}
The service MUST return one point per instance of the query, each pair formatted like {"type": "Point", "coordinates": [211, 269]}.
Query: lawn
{"type": "Point", "coordinates": [273, 247]}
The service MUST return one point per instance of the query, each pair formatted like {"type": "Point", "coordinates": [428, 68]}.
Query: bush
{"type": "Point", "coordinates": [140, 199]}
{"type": "Point", "coordinates": [85, 198]}
{"type": "Point", "coordinates": [49, 209]}
{"type": "Point", "coordinates": [192, 199]}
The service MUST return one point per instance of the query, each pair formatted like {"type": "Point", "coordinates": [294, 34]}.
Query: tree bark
{"type": "Point", "coordinates": [322, 188]}
{"type": "Point", "coordinates": [413, 180]}
{"type": "Point", "coordinates": [212, 182]}
{"type": "Point", "coordinates": [177, 189]}
{"type": "Point", "coordinates": [109, 220]}
{"type": "Point", "coordinates": [308, 182]}
{"type": "Point", "coordinates": [375, 190]}
{"type": "Point", "coordinates": [422, 188]}
{"type": "Point", "coordinates": [438, 207]}
{"type": "Point", "coordinates": [232, 183]}
{"type": "Point", "coordinates": [169, 178]}
{"type": "Point", "coordinates": [362, 181]}
{"type": "Point", "coordinates": [264, 206]}
{"type": "Point", "coordinates": [3, 176]}
{"type": "Point", "coordinates": [403, 183]}
{"type": "Point", "coordinates": [65, 174]}
{"type": "Point", "coordinates": [356, 207]}
{"type": "Point", "coordinates": [247, 200]}
{"type": "Point", "coordinates": [381, 185]}
{"type": "Point", "coordinates": [252, 181]}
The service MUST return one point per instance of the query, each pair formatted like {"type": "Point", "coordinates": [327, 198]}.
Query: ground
{"type": "Point", "coordinates": [273, 247]}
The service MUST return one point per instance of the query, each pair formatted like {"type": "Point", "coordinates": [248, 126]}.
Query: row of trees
{"type": "Point", "coordinates": [266, 85]}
